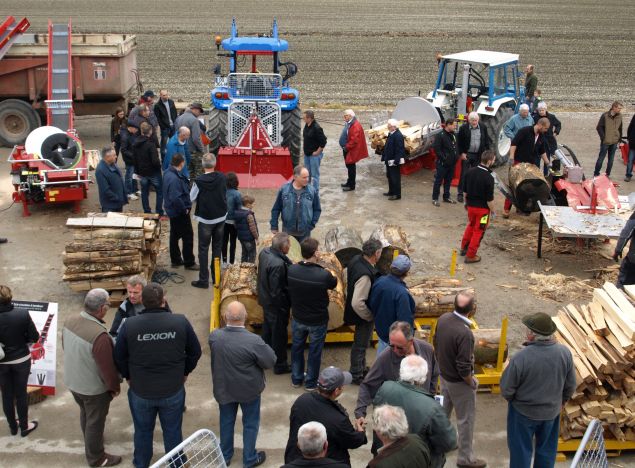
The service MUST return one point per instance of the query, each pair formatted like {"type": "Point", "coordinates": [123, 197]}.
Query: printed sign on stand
{"type": "Point", "coordinates": [44, 352]}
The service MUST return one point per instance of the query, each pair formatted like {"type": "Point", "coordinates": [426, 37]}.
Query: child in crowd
{"type": "Point", "coordinates": [234, 202]}
{"type": "Point", "coordinates": [247, 229]}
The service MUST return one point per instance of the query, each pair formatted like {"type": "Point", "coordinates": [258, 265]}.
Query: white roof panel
{"type": "Point", "coordinates": [486, 57]}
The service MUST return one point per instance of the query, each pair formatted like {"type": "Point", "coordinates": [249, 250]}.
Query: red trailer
{"type": "Point", "coordinates": [104, 77]}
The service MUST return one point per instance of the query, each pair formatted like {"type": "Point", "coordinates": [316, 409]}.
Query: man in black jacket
{"type": "Point", "coordinates": [165, 111]}
{"type": "Point", "coordinates": [314, 143]}
{"type": "Point", "coordinates": [128, 135]}
{"type": "Point", "coordinates": [630, 137]}
{"type": "Point", "coordinates": [309, 284]}
{"type": "Point", "coordinates": [313, 443]}
{"type": "Point", "coordinates": [132, 305]}
{"type": "Point", "coordinates": [155, 352]}
{"type": "Point", "coordinates": [360, 276]}
{"type": "Point", "coordinates": [322, 407]}
{"type": "Point", "coordinates": [393, 156]}
{"type": "Point", "coordinates": [551, 145]}
{"type": "Point", "coordinates": [210, 193]}
{"type": "Point", "coordinates": [273, 296]}
{"type": "Point", "coordinates": [627, 268]}
{"type": "Point", "coordinates": [446, 150]}
{"type": "Point", "coordinates": [471, 140]}
{"type": "Point", "coordinates": [147, 166]}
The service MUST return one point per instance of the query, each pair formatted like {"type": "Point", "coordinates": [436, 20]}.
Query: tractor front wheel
{"type": "Point", "coordinates": [500, 142]}
{"type": "Point", "coordinates": [217, 129]}
{"type": "Point", "coordinates": [292, 133]}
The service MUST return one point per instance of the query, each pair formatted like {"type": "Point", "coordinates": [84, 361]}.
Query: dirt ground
{"type": "Point", "coordinates": [31, 265]}
{"type": "Point", "coordinates": [370, 52]}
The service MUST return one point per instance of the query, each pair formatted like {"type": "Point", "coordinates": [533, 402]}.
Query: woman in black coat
{"type": "Point", "coordinates": [552, 133]}
{"type": "Point", "coordinates": [17, 330]}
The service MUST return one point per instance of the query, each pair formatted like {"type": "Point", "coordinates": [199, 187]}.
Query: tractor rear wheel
{"type": "Point", "coordinates": [292, 133]}
{"type": "Point", "coordinates": [17, 120]}
{"type": "Point", "coordinates": [500, 142]}
{"type": "Point", "coordinates": [217, 129]}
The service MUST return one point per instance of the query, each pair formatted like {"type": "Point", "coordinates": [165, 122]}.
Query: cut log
{"type": "Point", "coordinates": [113, 234]}
{"type": "Point", "coordinates": [118, 282]}
{"type": "Point", "coordinates": [589, 376]}
{"type": "Point", "coordinates": [614, 312]}
{"type": "Point", "coordinates": [597, 316]}
{"type": "Point", "coordinates": [99, 275]}
{"type": "Point", "coordinates": [487, 355]}
{"type": "Point", "coordinates": [122, 256]}
{"type": "Point", "coordinates": [239, 284]}
{"type": "Point", "coordinates": [625, 306]}
{"type": "Point", "coordinates": [584, 344]}
{"type": "Point", "coordinates": [529, 186]}
{"type": "Point", "coordinates": [487, 336]}
{"type": "Point", "coordinates": [432, 283]}
{"type": "Point", "coordinates": [294, 251]}
{"type": "Point", "coordinates": [111, 222]}
{"type": "Point", "coordinates": [104, 244]}
{"type": "Point", "coordinates": [103, 267]}
{"type": "Point", "coordinates": [434, 302]}
{"type": "Point", "coordinates": [345, 242]}
{"type": "Point", "coordinates": [592, 408]}
{"type": "Point", "coordinates": [393, 239]}
{"type": "Point", "coordinates": [337, 296]}
{"type": "Point", "coordinates": [572, 411]}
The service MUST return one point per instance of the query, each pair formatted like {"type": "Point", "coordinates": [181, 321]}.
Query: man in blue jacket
{"type": "Point", "coordinates": [390, 301]}
{"type": "Point", "coordinates": [112, 194]}
{"type": "Point", "coordinates": [393, 156]}
{"type": "Point", "coordinates": [299, 205]}
{"type": "Point", "coordinates": [177, 204]}
{"type": "Point", "coordinates": [177, 144]}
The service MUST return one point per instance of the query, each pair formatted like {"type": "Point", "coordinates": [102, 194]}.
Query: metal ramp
{"type": "Point", "coordinates": [9, 31]}
{"type": "Point", "coordinates": [59, 105]}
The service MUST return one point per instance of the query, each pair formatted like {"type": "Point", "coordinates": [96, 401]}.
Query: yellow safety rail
{"type": "Point", "coordinates": [214, 321]}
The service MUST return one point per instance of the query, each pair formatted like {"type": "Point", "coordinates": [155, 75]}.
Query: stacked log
{"type": "Point", "coordinates": [239, 283]}
{"type": "Point", "coordinates": [108, 248]}
{"type": "Point", "coordinates": [337, 296]}
{"type": "Point", "coordinates": [435, 296]}
{"type": "Point", "coordinates": [413, 135]}
{"type": "Point", "coordinates": [393, 239]}
{"type": "Point", "coordinates": [344, 242]}
{"type": "Point", "coordinates": [601, 337]}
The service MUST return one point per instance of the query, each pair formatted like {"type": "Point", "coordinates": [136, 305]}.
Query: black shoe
{"type": "Point", "coordinates": [357, 380]}
{"type": "Point", "coordinates": [30, 428]}
{"type": "Point", "coordinates": [394, 197]}
{"type": "Point", "coordinates": [449, 200]}
{"type": "Point", "coordinates": [192, 267]}
{"type": "Point", "coordinates": [176, 264]}
{"type": "Point", "coordinates": [463, 252]}
{"type": "Point", "coordinates": [260, 458]}
{"type": "Point", "coordinates": [459, 198]}
{"type": "Point", "coordinates": [347, 189]}
{"type": "Point", "coordinates": [3, 240]}
{"type": "Point", "coordinates": [436, 203]}
{"type": "Point", "coordinates": [282, 370]}
{"type": "Point", "coordinates": [387, 194]}
{"type": "Point", "coordinates": [14, 430]}
{"type": "Point", "coordinates": [200, 284]}
{"type": "Point", "coordinates": [344, 185]}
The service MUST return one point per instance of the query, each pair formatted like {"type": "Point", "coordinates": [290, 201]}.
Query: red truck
{"type": "Point", "coordinates": [104, 77]}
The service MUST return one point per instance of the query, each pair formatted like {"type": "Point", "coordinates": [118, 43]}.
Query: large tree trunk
{"type": "Point", "coordinates": [337, 296]}
{"type": "Point", "coordinates": [294, 251]}
{"type": "Point", "coordinates": [394, 239]}
{"type": "Point", "coordinates": [434, 302]}
{"type": "Point", "coordinates": [529, 186]}
{"type": "Point", "coordinates": [344, 242]}
{"type": "Point", "coordinates": [239, 284]}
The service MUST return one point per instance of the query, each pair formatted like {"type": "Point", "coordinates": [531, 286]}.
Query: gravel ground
{"type": "Point", "coordinates": [371, 52]}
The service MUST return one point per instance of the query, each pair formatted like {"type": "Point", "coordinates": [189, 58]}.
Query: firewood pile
{"type": "Point", "coordinates": [412, 135]}
{"type": "Point", "coordinates": [601, 337]}
{"type": "Point", "coordinates": [108, 248]}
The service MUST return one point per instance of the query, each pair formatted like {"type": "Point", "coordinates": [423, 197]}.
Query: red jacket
{"type": "Point", "coordinates": [356, 148]}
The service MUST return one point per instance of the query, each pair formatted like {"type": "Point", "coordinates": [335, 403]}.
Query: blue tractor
{"type": "Point", "coordinates": [238, 95]}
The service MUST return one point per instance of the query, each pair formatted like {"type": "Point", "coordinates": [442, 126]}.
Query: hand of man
{"type": "Point", "coordinates": [315, 153]}
{"type": "Point", "coordinates": [391, 163]}
{"type": "Point", "coordinates": [360, 423]}
{"type": "Point", "coordinates": [402, 161]}
{"type": "Point", "coordinates": [464, 156]}
{"type": "Point", "coordinates": [474, 382]}
{"type": "Point", "coordinates": [114, 394]}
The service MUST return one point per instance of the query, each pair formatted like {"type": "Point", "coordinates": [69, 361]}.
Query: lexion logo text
{"type": "Point", "coordinates": [156, 336]}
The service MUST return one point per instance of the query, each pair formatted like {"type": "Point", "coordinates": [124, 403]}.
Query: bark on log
{"type": "Point", "coordinates": [431, 283]}
{"type": "Point", "coordinates": [337, 296]}
{"type": "Point", "coordinates": [345, 242]}
{"type": "Point", "coordinates": [100, 245]}
{"type": "Point", "coordinates": [294, 251]}
{"type": "Point", "coordinates": [393, 238]}
{"type": "Point", "coordinates": [485, 336]}
{"type": "Point", "coordinates": [113, 234]}
{"type": "Point", "coordinates": [103, 267]}
{"type": "Point", "coordinates": [115, 256]}
{"type": "Point", "coordinates": [434, 302]}
{"type": "Point", "coordinates": [239, 284]}
{"type": "Point", "coordinates": [98, 275]}
{"type": "Point", "coordinates": [486, 355]}
{"type": "Point", "coordinates": [529, 186]}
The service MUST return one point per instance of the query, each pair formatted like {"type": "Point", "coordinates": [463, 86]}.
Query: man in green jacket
{"type": "Point", "coordinates": [426, 416]}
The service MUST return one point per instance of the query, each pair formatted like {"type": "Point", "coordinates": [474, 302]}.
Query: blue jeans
{"type": "Point", "coordinates": [129, 182]}
{"type": "Point", "coordinates": [312, 163]}
{"type": "Point", "coordinates": [166, 133]}
{"type": "Point", "coordinates": [381, 345]}
{"type": "Point", "coordinates": [157, 183]}
{"type": "Point", "coordinates": [609, 165]}
{"type": "Point", "coordinates": [521, 432]}
{"type": "Point", "coordinates": [251, 424]}
{"type": "Point", "coordinates": [316, 334]}
{"type": "Point", "coordinates": [629, 164]}
{"type": "Point", "coordinates": [443, 175]}
{"type": "Point", "coordinates": [144, 415]}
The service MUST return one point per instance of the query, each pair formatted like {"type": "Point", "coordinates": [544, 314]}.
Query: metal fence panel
{"type": "Point", "coordinates": [591, 453]}
{"type": "Point", "coordinates": [268, 112]}
{"type": "Point", "coordinates": [254, 86]}
{"type": "Point", "coordinates": [200, 450]}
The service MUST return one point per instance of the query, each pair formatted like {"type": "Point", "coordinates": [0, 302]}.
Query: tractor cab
{"type": "Point", "coordinates": [480, 81]}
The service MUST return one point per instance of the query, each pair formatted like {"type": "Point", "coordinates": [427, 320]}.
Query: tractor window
{"type": "Point", "coordinates": [499, 82]}
{"type": "Point", "coordinates": [512, 79]}
{"type": "Point", "coordinates": [448, 81]}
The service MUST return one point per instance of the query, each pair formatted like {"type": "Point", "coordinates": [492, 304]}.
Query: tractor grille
{"type": "Point", "coordinates": [268, 112]}
{"type": "Point", "coordinates": [254, 86]}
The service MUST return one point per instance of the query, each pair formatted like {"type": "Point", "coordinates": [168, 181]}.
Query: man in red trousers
{"type": "Point", "coordinates": [479, 194]}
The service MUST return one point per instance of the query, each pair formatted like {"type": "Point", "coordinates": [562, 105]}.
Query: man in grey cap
{"type": "Point", "coordinates": [390, 301]}
{"type": "Point", "coordinates": [189, 119]}
{"type": "Point", "coordinates": [538, 381]}
{"type": "Point", "coordinates": [322, 407]}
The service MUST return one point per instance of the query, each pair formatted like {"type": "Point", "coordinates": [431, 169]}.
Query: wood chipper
{"type": "Point", "coordinates": [254, 124]}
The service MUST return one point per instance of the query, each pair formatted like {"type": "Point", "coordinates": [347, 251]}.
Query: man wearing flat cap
{"type": "Point", "coordinates": [390, 301]}
{"type": "Point", "coordinates": [322, 407]}
{"type": "Point", "coordinates": [538, 381]}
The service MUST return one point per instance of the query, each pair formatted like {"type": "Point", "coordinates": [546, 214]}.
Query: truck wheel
{"type": "Point", "coordinates": [292, 133]}
{"type": "Point", "coordinates": [500, 142]}
{"type": "Point", "coordinates": [17, 120]}
{"type": "Point", "coordinates": [217, 129]}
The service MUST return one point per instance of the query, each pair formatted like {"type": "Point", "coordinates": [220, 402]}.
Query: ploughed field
{"type": "Point", "coordinates": [370, 52]}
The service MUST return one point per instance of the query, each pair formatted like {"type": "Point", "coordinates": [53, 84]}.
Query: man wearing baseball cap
{"type": "Point", "coordinates": [538, 381]}
{"type": "Point", "coordinates": [322, 407]}
{"type": "Point", "coordinates": [189, 119]}
{"type": "Point", "coordinates": [390, 301]}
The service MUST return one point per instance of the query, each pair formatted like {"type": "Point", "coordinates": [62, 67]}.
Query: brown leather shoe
{"type": "Point", "coordinates": [477, 463]}
{"type": "Point", "coordinates": [110, 460]}
{"type": "Point", "coordinates": [474, 259]}
{"type": "Point", "coordinates": [506, 214]}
